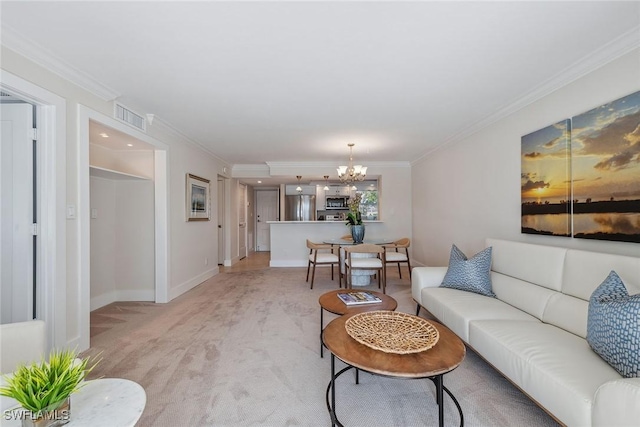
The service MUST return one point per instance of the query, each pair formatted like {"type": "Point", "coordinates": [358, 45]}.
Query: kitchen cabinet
{"type": "Point", "coordinates": [307, 190]}
{"type": "Point", "coordinates": [338, 191]}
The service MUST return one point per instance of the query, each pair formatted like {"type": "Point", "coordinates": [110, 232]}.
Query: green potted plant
{"type": "Point", "coordinates": [43, 389]}
{"type": "Point", "coordinates": [354, 219]}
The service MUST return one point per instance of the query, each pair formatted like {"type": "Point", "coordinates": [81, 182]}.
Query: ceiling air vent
{"type": "Point", "coordinates": [129, 117]}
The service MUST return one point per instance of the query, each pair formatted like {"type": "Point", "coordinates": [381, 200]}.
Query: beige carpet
{"type": "Point", "coordinates": [242, 349]}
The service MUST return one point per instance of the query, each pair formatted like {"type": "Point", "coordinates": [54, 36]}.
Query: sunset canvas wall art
{"type": "Point", "coordinates": [546, 181]}
{"type": "Point", "coordinates": [606, 171]}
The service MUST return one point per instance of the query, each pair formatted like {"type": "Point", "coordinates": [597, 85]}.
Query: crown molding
{"type": "Point", "coordinates": [611, 51]}
{"type": "Point", "coordinates": [165, 126]}
{"type": "Point", "coordinates": [22, 45]}
{"type": "Point", "coordinates": [334, 165]}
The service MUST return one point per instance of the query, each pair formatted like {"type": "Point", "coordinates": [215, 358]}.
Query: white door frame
{"type": "Point", "coordinates": [161, 185]}
{"type": "Point", "coordinates": [51, 272]}
{"type": "Point", "coordinates": [242, 221]}
{"type": "Point", "coordinates": [222, 226]}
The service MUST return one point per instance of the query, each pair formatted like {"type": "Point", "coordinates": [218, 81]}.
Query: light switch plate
{"type": "Point", "coordinates": [71, 212]}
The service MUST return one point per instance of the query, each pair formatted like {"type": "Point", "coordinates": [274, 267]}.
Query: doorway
{"type": "Point", "coordinates": [221, 220]}
{"type": "Point", "coordinates": [160, 214]}
{"type": "Point", "coordinates": [267, 203]}
{"type": "Point", "coordinates": [121, 170]}
{"type": "Point", "coordinates": [18, 212]}
{"type": "Point", "coordinates": [50, 189]}
{"type": "Point", "coordinates": [242, 221]}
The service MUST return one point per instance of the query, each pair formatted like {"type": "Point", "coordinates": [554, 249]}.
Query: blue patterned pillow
{"type": "Point", "coordinates": [472, 275]}
{"type": "Point", "coordinates": [613, 326]}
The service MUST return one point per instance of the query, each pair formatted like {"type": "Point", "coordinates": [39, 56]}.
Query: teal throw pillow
{"type": "Point", "coordinates": [471, 275]}
{"type": "Point", "coordinates": [613, 326]}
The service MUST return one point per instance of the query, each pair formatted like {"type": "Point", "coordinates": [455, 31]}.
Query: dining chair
{"type": "Point", "coordinates": [349, 240]}
{"type": "Point", "coordinates": [372, 257]}
{"type": "Point", "coordinates": [398, 252]}
{"type": "Point", "coordinates": [318, 255]}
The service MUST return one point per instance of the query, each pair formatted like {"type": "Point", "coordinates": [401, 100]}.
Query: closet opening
{"type": "Point", "coordinates": [122, 218]}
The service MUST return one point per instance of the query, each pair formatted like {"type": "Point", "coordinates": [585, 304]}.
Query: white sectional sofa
{"type": "Point", "coordinates": [535, 331]}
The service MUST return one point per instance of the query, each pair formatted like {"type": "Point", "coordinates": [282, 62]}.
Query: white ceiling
{"type": "Point", "coordinates": [297, 81]}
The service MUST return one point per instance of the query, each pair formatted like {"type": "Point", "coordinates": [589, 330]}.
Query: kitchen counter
{"type": "Point", "coordinates": [289, 238]}
{"type": "Point", "coordinates": [341, 221]}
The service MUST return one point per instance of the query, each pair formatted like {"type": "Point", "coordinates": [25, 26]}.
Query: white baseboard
{"type": "Point", "coordinates": [136, 295]}
{"type": "Point", "coordinates": [192, 283]}
{"type": "Point", "coordinates": [122, 295]}
{"type": "Point", "coordinates": [102, 300]}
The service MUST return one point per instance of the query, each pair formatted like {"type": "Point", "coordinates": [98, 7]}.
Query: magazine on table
{"type": "Point", "coordinates": [357, 298]}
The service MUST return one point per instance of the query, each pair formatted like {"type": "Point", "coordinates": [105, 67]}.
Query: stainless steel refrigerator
{"type": "Point", "coordinates": [300, 208]}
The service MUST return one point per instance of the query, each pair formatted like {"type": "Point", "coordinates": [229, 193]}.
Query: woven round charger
{"type": "Point", "coordinates": [392, 331]}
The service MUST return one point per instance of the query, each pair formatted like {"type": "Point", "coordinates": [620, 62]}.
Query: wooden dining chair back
{"type": "Point", "coordinates": [365, 257]}
{"type": "Point", "coordinates": [398, 252]}
{"type": "Point", "coordinates": [321, 254]}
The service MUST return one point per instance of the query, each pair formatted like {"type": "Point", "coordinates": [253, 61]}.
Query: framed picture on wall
{"type": "Point", "coordinates": [546, 181]}
{"type": "Point", "coordinates": [198, 198]}
{"type": "Point", "coordinates": [606, 171]}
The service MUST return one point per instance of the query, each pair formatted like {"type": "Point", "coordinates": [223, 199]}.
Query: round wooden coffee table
{"type": "Point", "coordinates": [433, 364]}
{"type": "Point", "coordinates": [333, 304]}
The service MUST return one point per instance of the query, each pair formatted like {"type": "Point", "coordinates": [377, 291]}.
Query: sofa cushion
{"type": "Point", "coordinates": [471, 275]}
{"type": "Point", "coordinates": [457, 308]}
{"type": "Point", "coordinates": [613, 328]}
{"type": "Point", "coordinates": [585, 270]}
{"type": "Point", "coordinates": [526, 296]}
{"type": "Point", "coordinates": [568, 313]}
{"type": "Point", "coordinates": [554, 367]}
{"type": "Point", "coordinates": [539, 264]}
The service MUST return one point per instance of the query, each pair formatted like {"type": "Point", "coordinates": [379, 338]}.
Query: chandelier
{"type": "Point", "coordinates": [351, 173]}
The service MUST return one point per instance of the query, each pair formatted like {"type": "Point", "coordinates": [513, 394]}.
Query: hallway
{"type": "Point", "coordinates": [253, 261]}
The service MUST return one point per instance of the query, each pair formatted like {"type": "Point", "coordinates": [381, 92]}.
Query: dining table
{"type": "Point", "coordinates": [358, 277]}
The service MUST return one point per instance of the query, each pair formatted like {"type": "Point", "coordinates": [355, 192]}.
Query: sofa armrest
{"type": "Point", "coordinates": [425, 277]}
{"type": "Point", "coordinates": [615, 403]}
{"type": "Point", "coordinates": [21, 342]}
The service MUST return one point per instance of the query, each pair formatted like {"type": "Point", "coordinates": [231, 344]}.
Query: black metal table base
{"type": "Point", "coordinates": [321, 326]}
{"type": "Point", "coordinates": [437, 381]}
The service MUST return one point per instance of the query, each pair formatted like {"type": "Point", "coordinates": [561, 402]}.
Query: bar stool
{"type": "Point", "coordinates": [366, 262]}
{"type": "Point", "coordinates": [321, 258]}
{"type": "Point", "coordinates": [396, 255]}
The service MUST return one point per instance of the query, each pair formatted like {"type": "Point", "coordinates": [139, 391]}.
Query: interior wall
{"type": "Point", "coordinates": [193, 244]}
{"type": "Point", "coordinates": [189, 243]}
{"type": "Point", "coordinates": [122, 241]}
{"type": "Point", "coordinates": [134, 162]}
{"type": "Point", "coordinates": [103, 242]}
{"type": "Point", "coordinates": [470, 190]}
{"type": "Point", "coordinates": [134, 260]}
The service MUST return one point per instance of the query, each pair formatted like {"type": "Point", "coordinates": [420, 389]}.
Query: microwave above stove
{"type": "Point", "coordinates": [337, 203]}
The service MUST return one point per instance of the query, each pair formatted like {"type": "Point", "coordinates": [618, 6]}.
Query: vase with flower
{"type": "Point", "coordinates": [354, 219]}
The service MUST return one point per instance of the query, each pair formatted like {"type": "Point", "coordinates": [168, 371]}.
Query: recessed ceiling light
{"type": "Point", "coordinates": [259, 182]}
{"type": "Point", "coordinates": [104, 135]}
{"type": "Point", "coordinates": [129, 145]}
